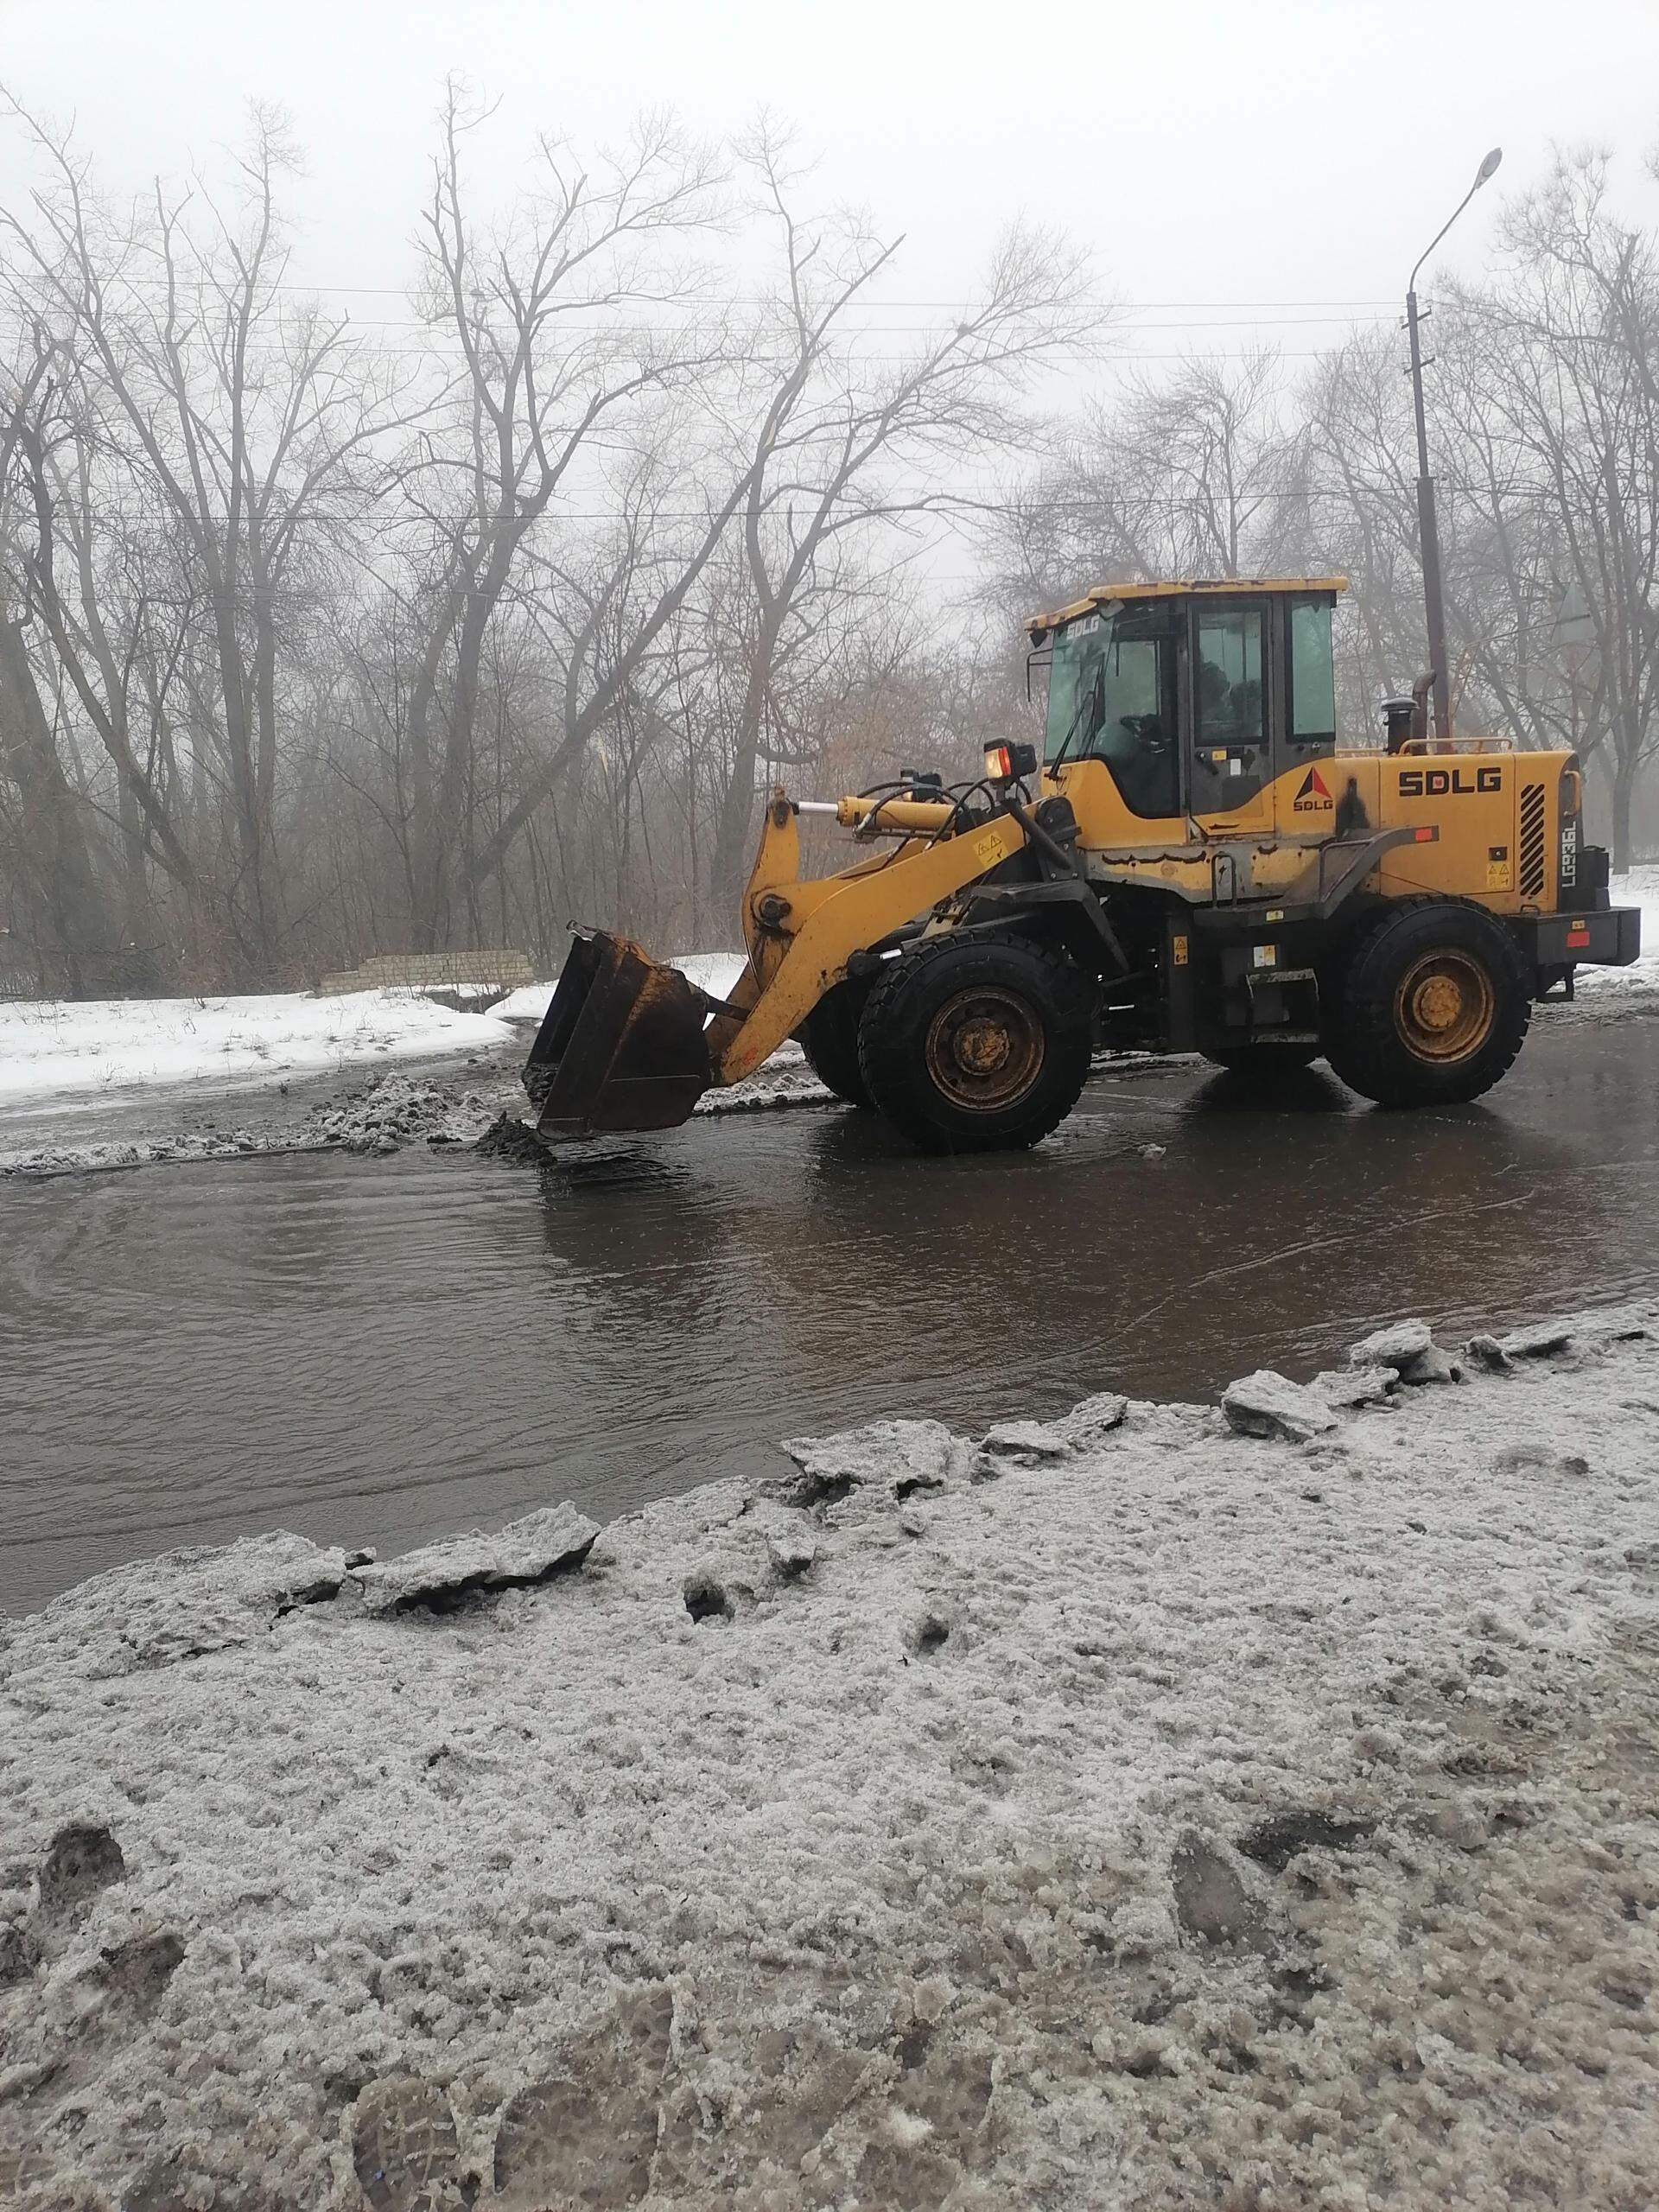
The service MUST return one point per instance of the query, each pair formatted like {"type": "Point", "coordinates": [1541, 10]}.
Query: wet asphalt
{"type": "Point", "coordinates": [381, 1350]}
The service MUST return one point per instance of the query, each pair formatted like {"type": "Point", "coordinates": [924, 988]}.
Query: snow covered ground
{"type": "Point", "coordinates": [79, 1053]}
{"type": "Point", "coordinates": [60, 1052]}
{"type": "Point", "coordinates": [1639, 889]}
{"type": "Point", "coordinates": [1133, 1813]}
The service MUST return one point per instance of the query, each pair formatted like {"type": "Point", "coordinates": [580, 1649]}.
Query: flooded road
{"type": "Point", "coordinates": [376, 1351]}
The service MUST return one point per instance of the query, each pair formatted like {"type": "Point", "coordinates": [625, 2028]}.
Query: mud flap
{"type": "Point", "coordinates": [622, 1045]}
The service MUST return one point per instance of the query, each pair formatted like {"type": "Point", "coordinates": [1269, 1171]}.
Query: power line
{"type": "Point", "coordinates": [1221, 313]}
{"type": "Point", "coordinates": [962, 301]}
{"type": "Point", "coordinates": [443, 343]}
{"type": "Point", "coordinates": [882, 329]}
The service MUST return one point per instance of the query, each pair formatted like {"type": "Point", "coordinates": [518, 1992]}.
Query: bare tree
{"type": "Point", "coordinates": [246, 420]}
{"type": "Point", "coordinates": [847, 457]}
{"type": "Point", "coordinates": [1554, 380]}
{"type": "Point", "coordinates": [549, 375]}
{"type": "Point", "coordinates": [1195, 473]}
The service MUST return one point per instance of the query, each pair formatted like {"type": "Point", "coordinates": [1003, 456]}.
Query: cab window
{"type": "Point", "coordinates": [1313, 675]}
{"type": "Point", "coordinates": [1111, 697]}
{"type": "Point", "coordinates": [1230, 697]}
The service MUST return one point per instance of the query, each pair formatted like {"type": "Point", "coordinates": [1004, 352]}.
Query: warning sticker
{"type": "Point", "coordinates": [989, 849]}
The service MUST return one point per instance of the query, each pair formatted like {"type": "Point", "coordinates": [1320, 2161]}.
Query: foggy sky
{"type": "Point", "coordinates": [1267, 158]}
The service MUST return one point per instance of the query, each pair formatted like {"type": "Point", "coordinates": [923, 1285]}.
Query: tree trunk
{"type": "Point", "coordinates": [1623, 789]}
{"type": "Point", "coordinates": [71, 897]}
{"type": "Point", "coordinates": [728, 871]}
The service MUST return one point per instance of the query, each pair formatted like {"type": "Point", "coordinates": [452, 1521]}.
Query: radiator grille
{"type": "Point", "coordinates": [1532, 841]}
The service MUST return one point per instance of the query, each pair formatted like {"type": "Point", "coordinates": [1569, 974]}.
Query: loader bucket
{"type": "Point", "coordinates": [621, 1046]}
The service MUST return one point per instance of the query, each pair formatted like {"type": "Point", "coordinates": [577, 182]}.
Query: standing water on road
{"type": "Point", "coordinates": [381, 1351]}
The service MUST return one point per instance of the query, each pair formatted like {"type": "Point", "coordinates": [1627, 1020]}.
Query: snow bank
{"type": "Point", "coordinates": [1126, 1811]}
{"type": "Point", "coordinates": [1639, 889]}
{"type": "Point", "coordinates": [384, 1115]}
{"type": "Point", "coordinates": [714, 972]}
{"type": "Point", "coordinates": [75, 1052]}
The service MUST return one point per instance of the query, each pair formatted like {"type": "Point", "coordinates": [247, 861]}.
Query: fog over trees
{"type": "Point", "coordinates": [322, 637]}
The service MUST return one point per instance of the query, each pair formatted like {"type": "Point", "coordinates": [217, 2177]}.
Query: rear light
{"type": "Point", "coordinates": [1578, 935]}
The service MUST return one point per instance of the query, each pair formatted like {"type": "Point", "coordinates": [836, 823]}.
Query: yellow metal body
{"type": "Point", "coordinates": [625, 1045]}
{"type": "Point", "coordinates": [1490, 818]}
{"type": "Point", "coordinates": [800, 933]}
{"type": "Point", "coordinates": [1474, 799]}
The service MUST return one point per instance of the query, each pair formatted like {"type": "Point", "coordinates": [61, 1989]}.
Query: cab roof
{"type": "Point", "coordinates": [1191, 587]}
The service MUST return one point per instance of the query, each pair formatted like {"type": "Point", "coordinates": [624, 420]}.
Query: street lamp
{"type": "Point", "coordinates": [1428, 529]}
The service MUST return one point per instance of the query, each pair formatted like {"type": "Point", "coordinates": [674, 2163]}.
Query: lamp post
{"type": "Point", "coordinates": [1427, 528]}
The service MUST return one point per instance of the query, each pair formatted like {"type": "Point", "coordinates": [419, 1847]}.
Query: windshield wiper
{"type": "Point", "coordinates": [1094, 697]}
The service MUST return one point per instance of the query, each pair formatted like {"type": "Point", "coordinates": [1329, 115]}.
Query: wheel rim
{"type": "Point", "coordinates": [985, 1049]}
{"type": "Point", "coordinates": [1445, 1006]}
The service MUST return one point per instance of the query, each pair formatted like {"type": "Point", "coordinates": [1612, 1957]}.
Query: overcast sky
{"type": "Point", "coordinates": [1236, 159]}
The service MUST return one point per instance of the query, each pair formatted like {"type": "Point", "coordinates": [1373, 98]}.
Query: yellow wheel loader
{"type": "Point", "coordinates": [1194, 865]}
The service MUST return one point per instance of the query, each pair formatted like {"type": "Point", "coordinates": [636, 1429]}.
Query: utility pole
{"type": "Point", "coordinates": [1428, 525]}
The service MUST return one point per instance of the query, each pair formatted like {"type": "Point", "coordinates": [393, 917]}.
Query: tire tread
{"type": "Point", "coordinates": [1362, 1044]}
{"type": "Point", "coordinates": [883, 1054]}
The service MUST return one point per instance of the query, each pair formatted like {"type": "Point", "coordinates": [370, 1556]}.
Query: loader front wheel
{"type": "Point", "coordinates": [828, 1037]}
{"type": "Point", "coordinates": [977, 1044]}
{"type": "Point", "coordinates": [1433, 1005]}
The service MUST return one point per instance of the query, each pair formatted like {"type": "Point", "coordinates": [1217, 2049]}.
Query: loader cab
{"type": "Point", "coordinates": [1197, 698]}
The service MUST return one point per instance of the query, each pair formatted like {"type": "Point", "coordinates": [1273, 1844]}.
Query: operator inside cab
{"type": "Point", "coordinates": [1117, 689]}
{"type": "Point", "coordinates": [1111, 697]}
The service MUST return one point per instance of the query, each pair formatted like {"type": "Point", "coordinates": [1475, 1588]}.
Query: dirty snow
{"type": "Point", "coordinates": [383, 1115]}
{"type": "Point", "coordinates": [59, 1050]}
{"type": "Point", "coordinates": [1126, 1813]}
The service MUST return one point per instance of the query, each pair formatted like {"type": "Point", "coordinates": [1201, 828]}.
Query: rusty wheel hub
{"type": "Point", "coordinates": [1445, 1006]}
{"type": "Point", "coordinates": [985, 1049]}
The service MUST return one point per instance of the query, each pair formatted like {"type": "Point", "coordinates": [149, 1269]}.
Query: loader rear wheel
{"type": "Point", "coordinates": [1432, 1006]}
{"type": "Point", "coordinates": [977, 1044]}
{"type": "Point", "coordinates": [828, 1037]}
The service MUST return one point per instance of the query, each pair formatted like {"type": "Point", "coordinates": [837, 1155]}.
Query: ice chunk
{"type": "Point", "coordinates": [907, 1455]}
{"type": "Point", "coordinates": [1391, 1346]}
{"type": "Point", "coordinates": [1487, 1352]}
{"type": "Point", "coordinates": [1026, 1443]}
{"type": "Point", "coordinates": [1096, 1417]}
{"type": "Point", "coordinates": [1539, 1340]}
{"type": "Point", "coordinates": [793, 1553]}
{"type": "Point", "coordinates": [190, 1602]}
{"type": "Point", "coordinates": [447, 1574]}
{"type": "Point", "coordinates": [1430, 1366]}
{"type": "Point", "coordinates": [1267, 1404]}
{"type": "Point", "coordinates": [1354, 1386]}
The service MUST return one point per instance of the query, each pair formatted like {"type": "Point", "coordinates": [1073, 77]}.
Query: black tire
{"type": "Point", "coordinates": [977, 1044]}
{"type": "Point", "coordinates": [828, 1037]}
{"type": "Point", "coordinates": [1263, 1058]}
{"type": "Point", "coordinates": [1432, 1004]}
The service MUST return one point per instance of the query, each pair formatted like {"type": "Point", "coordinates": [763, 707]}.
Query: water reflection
{"type": "Point", "coordinates": [383, 1351]}
{"type": "Point", "coordinates": [1288, 1090]}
